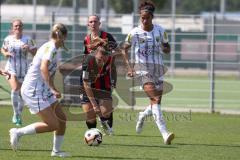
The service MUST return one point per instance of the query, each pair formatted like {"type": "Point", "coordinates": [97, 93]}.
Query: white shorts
{"type": "Point", "coordinates": [13, 71]}
{"type": "Point", "coordinates": [37, 103]}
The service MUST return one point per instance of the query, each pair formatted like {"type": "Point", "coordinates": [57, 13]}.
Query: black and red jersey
{"type": "Point", "coordinates": [98, 77]}
{"type": "Point", "coordinates": [103, 35]}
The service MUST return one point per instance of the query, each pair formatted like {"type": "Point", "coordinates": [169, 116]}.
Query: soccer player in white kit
{"type": "Point", "coordinates": [40, 94]}
{"type": "Point", "coordinates": [16, 47]}
{"type": "Point", "coordinates": [147, 42]}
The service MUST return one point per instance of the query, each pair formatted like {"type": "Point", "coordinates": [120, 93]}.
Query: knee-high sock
{"type": "Point", "coordinates": [14, 99]}
{"type": "Point", "coordinates": [91, 124]}
{"type": "Point", "coordinates": [57, 142]}
{"type": "Point", "coordinates": [30, 129]}
{"type": "Point", "coordinates": [20, 105]}
{"type": "Point", "coordinates": [159, 119]}
{"type": "Point", "coordinates": [146, 112]}
{"type": "Point", "coordinates": [110, 120]}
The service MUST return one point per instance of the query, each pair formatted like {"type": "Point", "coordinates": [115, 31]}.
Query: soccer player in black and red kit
{"type": "Point", "coordinates": [104, 76]}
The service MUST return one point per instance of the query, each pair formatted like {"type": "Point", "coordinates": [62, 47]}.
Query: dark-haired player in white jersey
{"type": "Point", "coordinates": [148, 41]}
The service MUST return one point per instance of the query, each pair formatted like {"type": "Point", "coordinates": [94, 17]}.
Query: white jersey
{"type": "Point", "coordinates": [18, 63]}
{"type": "Point", "coordinates": [146, 52]}
{"type": "Point", "coordinates": [146, 46]}
{"type": "Point", "coordinates": [33, 85]}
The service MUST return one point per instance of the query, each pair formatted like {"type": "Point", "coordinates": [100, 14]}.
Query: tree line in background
{"type": "Point", "coordinates": [162, 6]}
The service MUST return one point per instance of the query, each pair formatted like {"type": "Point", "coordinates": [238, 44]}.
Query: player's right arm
{"type": "Point", "coordinates": [87, 80]}
{"type": "Point", "coordinates": [4, 49]}
{"type": "Point", "coordinates": [126, 46]}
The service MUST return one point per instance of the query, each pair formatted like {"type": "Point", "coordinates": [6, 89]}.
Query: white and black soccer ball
{"type": "Point", "coordinates": [93, 137]}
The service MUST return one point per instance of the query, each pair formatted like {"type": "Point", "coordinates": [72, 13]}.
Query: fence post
{"type": "Point", "coordinates": [212, 66]}
{"type": "Point", "coordinates": [34, 25]}
{"type": "Point", "coordinates": [173, 41]}
{"type": "Point", "coordinates": [52, 19]}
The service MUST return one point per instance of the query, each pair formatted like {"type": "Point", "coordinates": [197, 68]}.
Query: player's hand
{"type": "Point", "coordinates": [56, 93]}
{"type": "Point", "coordinates": [25, 47]}
{"type": "Point", "coordinates": [96, 109]}
{"type": "Point", "coordinates": [8, 54]}
{"type": "Point", "coordinates": [8, 75]}
{"type": "Point", "coordinates": [131, 72]}
{"type": "Point", "coordinates": [166, 48]}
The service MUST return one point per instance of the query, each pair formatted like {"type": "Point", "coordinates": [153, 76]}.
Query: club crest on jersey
{"type": "Point", "coordinates": [142, 40]}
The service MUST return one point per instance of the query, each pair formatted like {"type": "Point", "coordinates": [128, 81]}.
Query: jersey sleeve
{"type": "Point", "coordinates": [164, 36]}
{"type": "Point", "coordinates": [111, 42]}
{"type": "Point", "coordinates": [130, 38]}
{"type": "Point", "coordinates": [85, 49]}
{"type": "Point", "coordinates": [31, 43]}
{"type": "Point", "coordinates": [5, 43]}
{"type": "Point", "coordinates": [49, 53]}
{"type": "Point", "coordinates": [86, 69]}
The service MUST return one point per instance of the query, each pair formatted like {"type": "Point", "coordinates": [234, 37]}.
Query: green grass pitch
{"type": "Point", "coordinates": [198, 136]}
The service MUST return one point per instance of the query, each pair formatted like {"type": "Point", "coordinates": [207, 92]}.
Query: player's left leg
{"type": "Point", "coordinates": [59, 133]}
{"type": "Point", "coordinates": [106, 110]}
{"type": "Point", "coordinates": [155, 98]}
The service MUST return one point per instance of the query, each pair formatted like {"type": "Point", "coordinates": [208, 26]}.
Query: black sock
{"type": "Point", "coordinates": [91, 124]}
{"type": "Point", "coordinates": [110, 120]}
{"type": "Point", "coordinates": [103, 119]}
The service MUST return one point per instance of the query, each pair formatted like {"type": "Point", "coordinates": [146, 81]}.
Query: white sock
{"type": "Point", "coordinates": [14, 100]}
{"type": "Point", "coordinates": [158, 118]}
{"type": "Point", "coordinates": [20, 105]}
{"type": "Point", "coordinates": [57, 142]}
{"type": "Point", "coordinates": [30, 129]}
{"type": "Point", "coordinates": [146, 112]}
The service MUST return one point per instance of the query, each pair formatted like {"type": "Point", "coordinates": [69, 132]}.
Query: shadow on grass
{"type": "Point", "coordinates": [140, 145]}
{"type": "Point", "coordinates": [30, 150]}
{"type": "Point", "coordinates": [5, 99]}
{"type": "Point", "coordinates": [208, 145]}
{"type": "Point", "coordinates": [103, 157]}
{"type": "Point", "coordinates": [134, 135]}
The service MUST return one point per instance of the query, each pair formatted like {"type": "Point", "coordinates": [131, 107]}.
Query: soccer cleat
{"type": "Point", "coordinates": [139, 126]}
{"type": "Point", "coordinates": [60, 154]}
{"type": "Point", "coordinates": [168, 139]}
{"type": "Point", "coordinates": [111, 133]}
{"type": "Point", "coordinates": [14, 138]}
{"type": "Point", "coordinates": [19, 121]}
{"type": "Point", "coordinates": [105, 127]}
{"type": "Point", "coordinates": [14, 119]}
{"type": "Point", "coordinates": [140, 123]}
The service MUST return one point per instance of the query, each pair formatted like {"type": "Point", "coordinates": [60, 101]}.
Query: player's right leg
{"type": "Point", "coordinates": [141, 118]}
{"type": "Point", "coordinates": [15, 93]}
{"type": "Point", "coordinates": [49, 124]}
{"type": "Point", "coordinates": [90, 115]}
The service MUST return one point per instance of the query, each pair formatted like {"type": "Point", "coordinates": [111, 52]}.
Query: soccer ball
{"type": "Point", "coordinates": [93, 137]}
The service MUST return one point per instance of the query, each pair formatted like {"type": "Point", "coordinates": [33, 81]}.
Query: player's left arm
{"type": "Point", "coordinates": [113, 73]}
{"type": "Point", "coordinates": [165, 42]}
{"type": "Point", "coordinates": [30, 46]}
{"type": "Point", "coordinates": [5, 73]}
{"type": "Point", "coordinates": [48, 78]}
{"type": "Point", "coordinates": [112, 42]}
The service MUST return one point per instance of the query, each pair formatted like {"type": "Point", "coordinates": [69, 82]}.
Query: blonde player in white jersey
{"type": "Point", "coordinates": [40, 94]}
{"type": "Point", "coordinates": [147, 43]}
{"type": "Point", "coordinates": [16, 47]}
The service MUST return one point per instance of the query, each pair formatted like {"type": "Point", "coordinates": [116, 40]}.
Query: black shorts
{"type": "Point", "coordinates": [98, 95]}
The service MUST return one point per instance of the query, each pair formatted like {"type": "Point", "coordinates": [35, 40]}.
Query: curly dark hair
{"type": "Point", "coordinates": [147, 5]}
